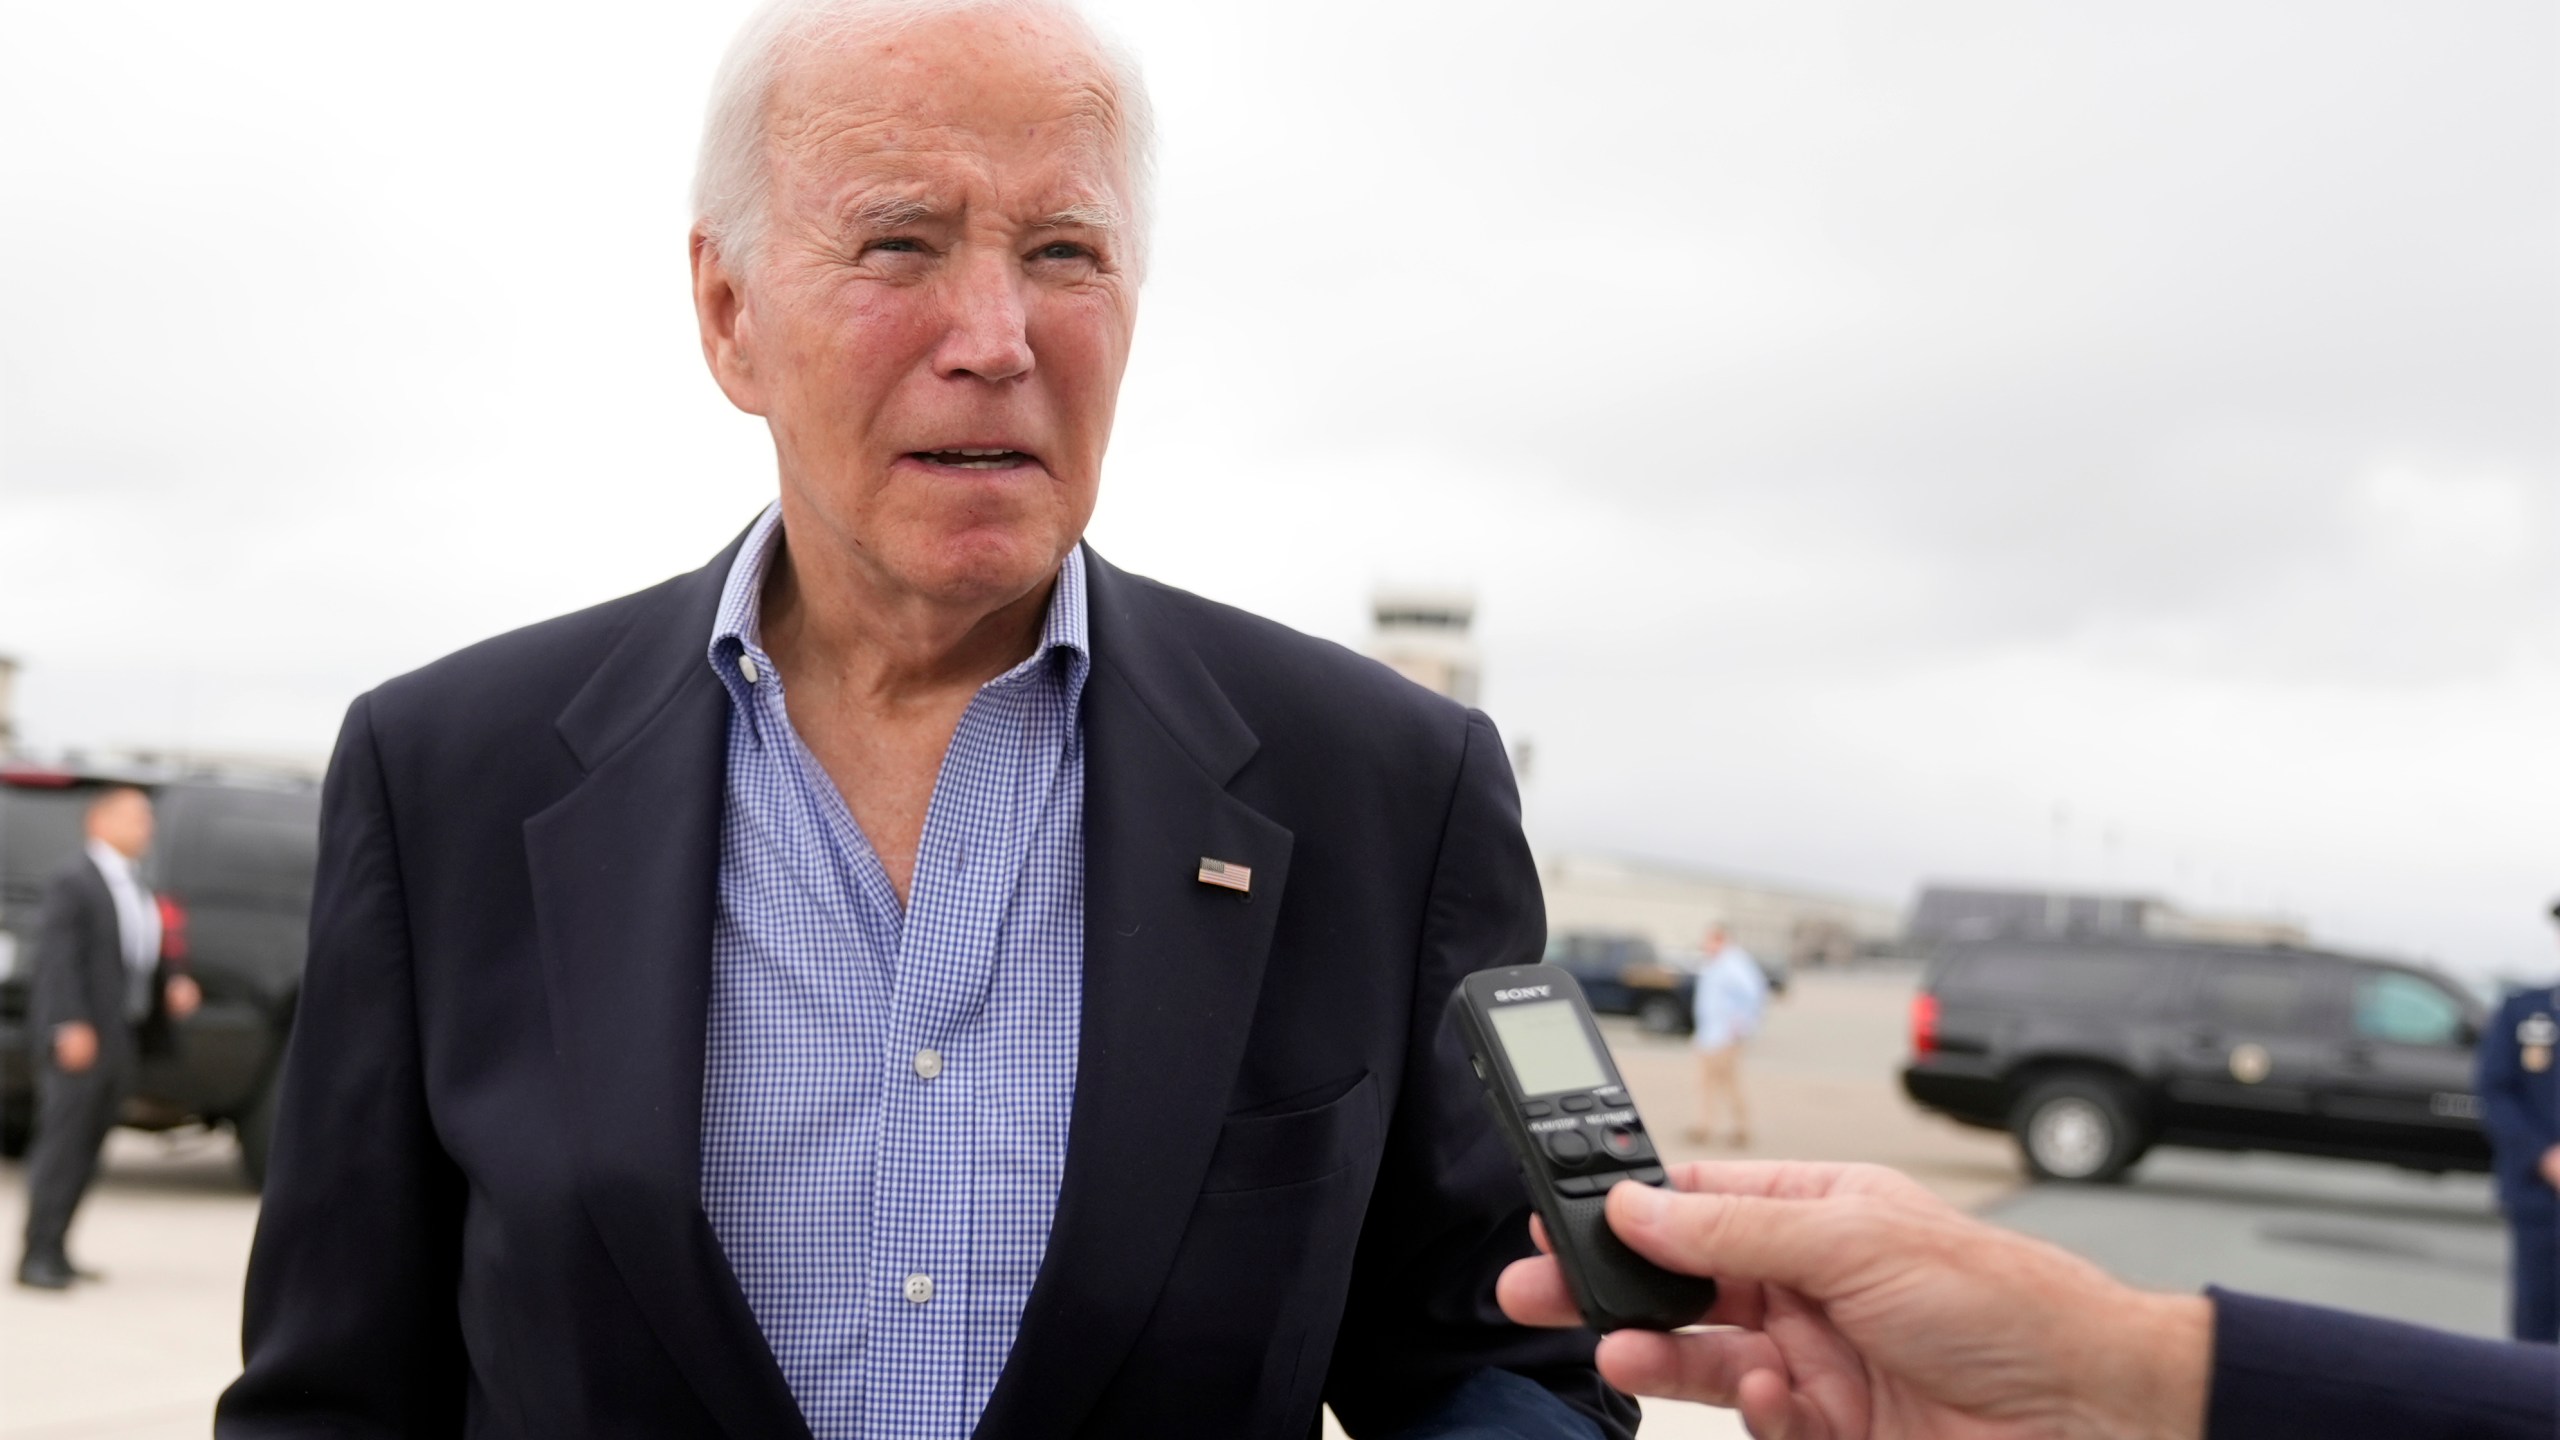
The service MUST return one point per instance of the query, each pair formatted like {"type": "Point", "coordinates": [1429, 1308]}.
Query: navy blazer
{"type": "Point", "coordinates": [2520, 1108]}
{"type": "Point", "coordinates": [483, 1210]}
{"type": "Point", "coordinates": [2295, 1372]}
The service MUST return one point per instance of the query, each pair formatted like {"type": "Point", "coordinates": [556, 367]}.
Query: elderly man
{"type": "Point", "coordinates": [907, 978]}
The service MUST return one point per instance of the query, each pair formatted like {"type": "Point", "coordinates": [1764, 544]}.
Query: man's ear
{"type": "Point", "coordinates": [728, 339]}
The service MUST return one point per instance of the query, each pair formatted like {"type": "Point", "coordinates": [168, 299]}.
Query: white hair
{"type": "Point", "coordinates": [733, 178]}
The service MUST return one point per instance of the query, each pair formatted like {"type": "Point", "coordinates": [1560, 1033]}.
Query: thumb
{"type": "Point", "coordinates": [1804, 1245]}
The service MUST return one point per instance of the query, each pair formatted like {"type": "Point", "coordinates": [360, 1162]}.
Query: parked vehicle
{"type": "Point", "coordinates": [2092, 1051]}
{"type": "Point", "coordinates": [232, 863]}
{"type": "Point", "coordinates": [1622, 975]}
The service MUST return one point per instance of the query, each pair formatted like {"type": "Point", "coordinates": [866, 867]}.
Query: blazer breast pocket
{"type": "Point", "coordinates": [1262, 1152]}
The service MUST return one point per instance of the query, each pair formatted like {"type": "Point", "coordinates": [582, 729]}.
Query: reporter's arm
{"type": "Point", "coordinates": [2296, 1372]}
{"type": "Point", "coordinates": [1864, 1306]}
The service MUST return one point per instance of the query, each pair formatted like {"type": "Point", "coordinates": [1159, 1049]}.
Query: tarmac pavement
{"type": "Point", "coordinates": [2426, 1249]}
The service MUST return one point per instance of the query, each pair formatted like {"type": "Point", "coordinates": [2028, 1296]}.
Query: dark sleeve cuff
{"type": "Point", "coordinates": [2282, 1370]}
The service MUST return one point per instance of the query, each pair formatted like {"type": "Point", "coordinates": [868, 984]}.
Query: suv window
{"type": "Point", "coordinates": [2257, 996]}
{"type": "Point", "coordinates": [2403, 1009]}
{"type": "Point", "coordinates": [2066, 980]}
{"type": "Point", "coordinates": [241, 847]}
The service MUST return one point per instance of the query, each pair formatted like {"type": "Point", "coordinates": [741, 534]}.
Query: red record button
{"type": "Point", "coordinates": [1626, 1144]}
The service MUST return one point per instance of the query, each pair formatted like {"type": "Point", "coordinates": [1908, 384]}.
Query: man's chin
{"type": "Point", "coordinates": [984, 571]}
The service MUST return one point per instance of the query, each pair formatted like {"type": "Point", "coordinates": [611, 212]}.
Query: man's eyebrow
{"type": "Point", "coordinates": [1082, 215]}
{"type": "Point", "coordinates": [888, 212]}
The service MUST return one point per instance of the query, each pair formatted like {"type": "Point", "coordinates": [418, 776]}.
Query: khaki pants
{"type": "Point", "coordinates": [1720, 1085]}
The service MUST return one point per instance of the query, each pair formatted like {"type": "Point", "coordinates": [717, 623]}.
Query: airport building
{"type": "Point", "coordinates": [1674, 906]}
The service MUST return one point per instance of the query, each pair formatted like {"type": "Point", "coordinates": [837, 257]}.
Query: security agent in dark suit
{"type": "Point", "coordinates": [2519, 1087]}
{"type": "Point", "coordinates": [1861, 1307]}
{"type": "Point", "coordinates": [561, 910]}
{"type": "Point", "coordinates": [101, 994]}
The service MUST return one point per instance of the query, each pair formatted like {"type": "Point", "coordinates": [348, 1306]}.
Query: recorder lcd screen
{"type": "Point", "coordinates": [1548, 1047]}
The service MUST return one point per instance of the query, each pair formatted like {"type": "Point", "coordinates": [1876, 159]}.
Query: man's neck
{"type": "Point", "coordinates": [884, 647]}
{"type": "Point", "coordinates": [106, 854]}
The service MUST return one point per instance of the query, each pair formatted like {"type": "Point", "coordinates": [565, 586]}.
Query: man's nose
{"type": "Point", "coordinates": [988, 336]}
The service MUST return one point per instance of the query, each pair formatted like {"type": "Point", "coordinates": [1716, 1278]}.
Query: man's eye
{"type": "Point", "coordinates": [901, 245]}
{"type": "Point", "coordinates": [1062, 250]}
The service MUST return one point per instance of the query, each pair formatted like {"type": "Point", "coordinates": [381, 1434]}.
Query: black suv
{"type": "Point", "coordinates": [2092, 1051]}
{"type": "Point", "coordinates": [232, 863]}
{"type": "Point", "coordinates": [1622, 975]}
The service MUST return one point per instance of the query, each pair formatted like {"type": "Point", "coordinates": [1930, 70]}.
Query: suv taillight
{"type": "Point", "coordinates": [173, 930]}
{"type": "Point", "coordinates": [1924, 1025]}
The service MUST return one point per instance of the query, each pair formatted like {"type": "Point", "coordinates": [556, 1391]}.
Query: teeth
{"type": "Point", "coordinates": [975, 459]}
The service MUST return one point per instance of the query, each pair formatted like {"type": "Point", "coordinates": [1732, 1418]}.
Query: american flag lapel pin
{"type": "Point", "coordinates": [1234, 877]}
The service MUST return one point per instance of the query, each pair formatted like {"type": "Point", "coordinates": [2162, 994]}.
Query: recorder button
{"type": "Point", "coordinates": [1646, 1175]}
{"type": "Point", "coordinates": [1627, 1144]}
{"type": "Point", "coordinates": [1576, 1104]}
{"type": "Point", "coordinates": [1578, 1185]}
{"type": "Point", "coordinates": [1569, 1147]}
{"type": "Point", "coordinates": [1537, 1109]}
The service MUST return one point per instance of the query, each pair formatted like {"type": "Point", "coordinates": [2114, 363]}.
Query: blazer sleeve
{"type": "Point", "coordinates": [350, 1326]}
{"type": "Point", "coordinates": [1421, 1329]}
{"type": "Point", "coordinates": [2283, 1371]}
{"type": "Point", "coordinates": [65, 931]}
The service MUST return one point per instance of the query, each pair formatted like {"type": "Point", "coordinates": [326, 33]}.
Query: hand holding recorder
{"type": "Point", "coordinates": [1867, 1307]}
{"type": "Point", "coordinates": [1574, 1131]}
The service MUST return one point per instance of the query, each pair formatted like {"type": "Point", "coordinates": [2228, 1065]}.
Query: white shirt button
{"type": "Point", "coordinates": [928, 1062]}
{"type": "Point", "coordinates": [919, 1289]}
{"type": "Point", "coordinates": [747, 666]}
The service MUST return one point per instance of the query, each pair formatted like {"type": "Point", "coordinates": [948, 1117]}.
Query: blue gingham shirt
{"type": "Point", "coordinates": [886, 1093]}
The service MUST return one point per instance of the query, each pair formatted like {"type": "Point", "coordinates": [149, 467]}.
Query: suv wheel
{"type": "Point", "coordinates": [1662, 1015]}
{"type": "Point", "coordinates": [2077, 1127]}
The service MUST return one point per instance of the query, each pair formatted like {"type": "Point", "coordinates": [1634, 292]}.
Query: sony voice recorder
{"type": "Point", "coordinates": [1559, 1103]}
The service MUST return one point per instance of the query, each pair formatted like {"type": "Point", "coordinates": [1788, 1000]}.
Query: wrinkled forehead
{"type": "Point", "coordinates": [1004, 98]}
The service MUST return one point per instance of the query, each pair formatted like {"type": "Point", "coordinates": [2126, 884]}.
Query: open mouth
{"type": "Point", "coordinates": [974, 459]}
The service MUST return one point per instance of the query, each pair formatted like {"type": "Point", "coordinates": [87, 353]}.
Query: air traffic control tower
{"type": "Point", "coordinates": [1422, 635]}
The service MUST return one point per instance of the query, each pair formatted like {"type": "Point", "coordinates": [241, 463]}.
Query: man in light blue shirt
{"type": "Point", "coordinates": [1732, 995]}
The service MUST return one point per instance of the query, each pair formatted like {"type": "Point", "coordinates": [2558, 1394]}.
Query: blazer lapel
{"type": "Point", "coordinates": [625, 881]}
{"type": "Point", "coordinates": [1172, 970]}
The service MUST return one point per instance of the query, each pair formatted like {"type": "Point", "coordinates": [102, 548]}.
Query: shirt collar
{"type": "Point", "coordinates": [737, 628]}
{"type": "Point", "coordinates": [110, 861]}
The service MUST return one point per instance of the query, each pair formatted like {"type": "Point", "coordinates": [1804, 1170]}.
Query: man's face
{"type": "Point", "coordinates": [122, 820]}
{"type": "Point", "coordinates": [937, 323]}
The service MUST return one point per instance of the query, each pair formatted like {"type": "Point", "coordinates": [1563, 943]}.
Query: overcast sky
{"type": "Point", "coordinates": [1873, 431]}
